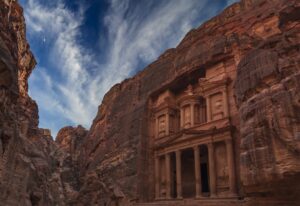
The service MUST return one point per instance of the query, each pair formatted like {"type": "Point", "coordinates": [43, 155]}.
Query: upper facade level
{"type": "Point", "coordinates": [194, 105]}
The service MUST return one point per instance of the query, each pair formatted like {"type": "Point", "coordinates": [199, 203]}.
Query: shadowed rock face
{"type": "Point", "coordinates": [256, 42]}
{"type": "Point", "coordinates": [30, 170]}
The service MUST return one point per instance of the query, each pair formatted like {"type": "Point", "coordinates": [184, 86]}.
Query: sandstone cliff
{"type": "Point", "coordinates": [258, 44]}
{"type": "Point", "coordinates": [29, 163]}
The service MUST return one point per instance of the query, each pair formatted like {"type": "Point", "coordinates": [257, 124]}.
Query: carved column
{"type": "Point", "coordinates": [225, 103]}
{"type": "Point", "coordinates": [208, 106]}
{"type": "Point", "coordinates": [157, 179]}
{"type": "Point", "coordinates": [192, 114]}
{"type": "Point", "coordinates": [212, 170]}
{"type": "Point", "coordinates": [181, 118]}
{"type": "Point", "coordinates": [178, 174]}
{"type": "Point", "coordinates": [168, 176]}
{"type": "Point", "coordinates": [156, 127]}
{"type": "Point", "coordinates": [197, 171]}
{"type": "Point", "coordinates": [202, 114]}
{"type": "Point", "coordinates": [167, 129]}
{"type": "Point", "coordinates": [231, 168]}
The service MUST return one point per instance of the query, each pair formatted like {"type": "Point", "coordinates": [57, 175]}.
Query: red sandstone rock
{"type": "Point", "coordinates": [70, 138]}
{"type": "Point", "coordinates": [28, 163]}
{"type": "Point", "coordinates": [251, 50]}
{"type": "Point", "coordinates": [257, 44]}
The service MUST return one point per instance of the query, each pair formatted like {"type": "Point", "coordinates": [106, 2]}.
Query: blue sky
{"type": "Point", "coordinates": [83, 47]}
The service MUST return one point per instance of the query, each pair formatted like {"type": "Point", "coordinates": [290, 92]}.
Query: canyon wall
{"type": "Point", "coordinates": [33, 169]}
{"type": "Point", "coordinates": [255, 42]}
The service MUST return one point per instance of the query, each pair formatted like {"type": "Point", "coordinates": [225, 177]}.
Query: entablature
{"type": "Point", "coordinates": [202, 133]}
{"type": "Point", "coordinates": [189, 140]}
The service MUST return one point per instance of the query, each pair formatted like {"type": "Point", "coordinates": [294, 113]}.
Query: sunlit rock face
{"type": "Point", "coordinates": [70, 138]}
{"type": "Point", "coordinates": [214, 121]}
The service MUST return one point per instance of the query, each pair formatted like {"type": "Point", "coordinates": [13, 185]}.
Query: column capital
{"type": "Point", "coordinates": [228, 140]}
{"type": "Point", "coordinates": [157, 156]}
{"type": "Point", "coordinates": [209, 144]}
{"type": "Point", "coordinates": [206, 95]}
{"type": "Point", "coordinates": [193, 103]}
{"type": "Point", "coordinates": [196, 147]}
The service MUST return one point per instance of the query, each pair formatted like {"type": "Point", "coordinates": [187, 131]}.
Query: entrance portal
{"type": "Point", "coordinates": [173, 176]}
{"type": "Point", "coordinates": [188, 173]}
{"type": "Point", "coordinates": [204, 170]}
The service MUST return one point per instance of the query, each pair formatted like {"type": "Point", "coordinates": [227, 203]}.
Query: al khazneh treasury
{"type": "Point", "coordinates": [214, 121]}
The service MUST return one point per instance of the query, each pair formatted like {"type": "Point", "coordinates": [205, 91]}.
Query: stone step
{"type": "Point", "coordinates": [221, 202]}
{"type": "Point", "coordinates": [194, 202]}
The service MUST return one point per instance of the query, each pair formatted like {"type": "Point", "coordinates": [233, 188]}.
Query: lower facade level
{"type": "Point", "coordinates": [198, 167]}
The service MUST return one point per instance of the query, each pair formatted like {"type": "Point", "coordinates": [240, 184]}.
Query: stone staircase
{"type": "Point", "coordinates": [220, 202]}
{"type": "Point", "coordinates": [196, 202]}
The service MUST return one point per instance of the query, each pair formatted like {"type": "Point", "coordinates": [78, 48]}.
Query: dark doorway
{"type": "Point", "coordinates": [204, 178]}
{"type": "Point", "coordinates": [188, 173]}
{"type": "Point", "coordinates": [173, 176]}
{"type": "Point", "coordinates": [204, 170]}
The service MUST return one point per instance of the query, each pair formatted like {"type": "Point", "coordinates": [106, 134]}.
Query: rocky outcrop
{"type": "Point", "coordinates": [69, 141]}
{"type": "Point", "coordinates": [267, 93]}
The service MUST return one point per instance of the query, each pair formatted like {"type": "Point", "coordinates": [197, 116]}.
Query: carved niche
{"type": "Point", "coordinates": [165, 113]}
{"type": "Point", "coordinates": [217, 106]}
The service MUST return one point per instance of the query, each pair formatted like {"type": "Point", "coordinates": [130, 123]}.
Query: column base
{"type": "Point", "coordinates": [162, 198]}
{"type": "Point", "coordinates": [213, 196]}
{"type": "Point", "coordinates": [199, 197]}
{"type": "Point", "coordinates": [233, 194]}
{"type": "Point", "coordinates": [179, 198]}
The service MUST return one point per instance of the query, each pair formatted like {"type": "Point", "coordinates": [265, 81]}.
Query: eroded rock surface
{"type": "Point", "coordinates": [244, 64]}
{"type": "Point", "coordinates": [257, 45]}
{"type": "Point", "coordinates": [29, 160]}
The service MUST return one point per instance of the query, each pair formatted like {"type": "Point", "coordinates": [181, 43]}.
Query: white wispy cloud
{"type": "Point", "coordinates": [66, 89]}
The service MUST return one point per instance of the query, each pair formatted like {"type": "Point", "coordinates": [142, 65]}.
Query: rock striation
{"type": "Point", "coordinates": [214, 121]}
